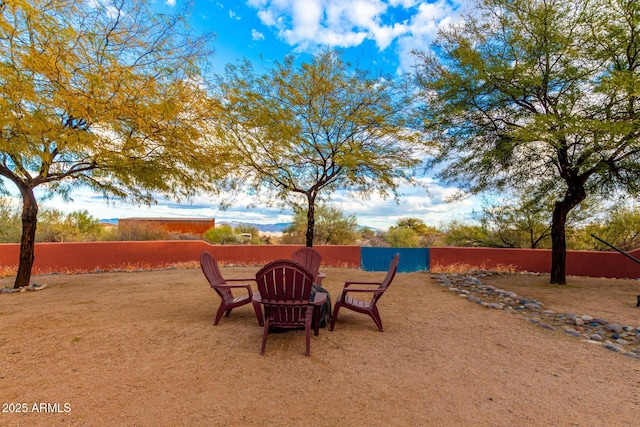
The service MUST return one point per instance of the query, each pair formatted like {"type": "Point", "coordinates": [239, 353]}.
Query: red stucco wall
{"type": "Point", "coordinates": [89, 256]}
{"type": "Point", "coordinates": [579, 263]}
{"type": "Point", "coordinates": [173, 225]}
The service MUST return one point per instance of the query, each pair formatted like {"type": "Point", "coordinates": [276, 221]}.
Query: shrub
{"type": "Point", "coordinates": [137, 232]}
{"type": "Point", "coordinates": [221, 235]}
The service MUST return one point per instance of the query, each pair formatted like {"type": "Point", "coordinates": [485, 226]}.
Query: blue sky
{"type": "Point", "coordinates": [376, 33]}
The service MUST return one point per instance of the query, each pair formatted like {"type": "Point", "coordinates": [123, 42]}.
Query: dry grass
{"type": "Point", "coordinates": [462, 268]}
{"type": "Point", "coordinates": [10, 271]}
{"type": "Point", "coordinates": [139, 348]}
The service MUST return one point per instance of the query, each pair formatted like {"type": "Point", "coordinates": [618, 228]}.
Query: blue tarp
{"type": "Point", "coordinates": [378, 259]}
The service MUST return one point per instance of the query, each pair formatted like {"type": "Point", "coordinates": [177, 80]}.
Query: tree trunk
{"type": "Point", "coordinates": [28, 239]}
{"type": "Point", "coordinates": [558, 245]}
{"type": "Point", "coordinates": [311, 222]}
{"type": "Point", "coordinates": [572, 198]}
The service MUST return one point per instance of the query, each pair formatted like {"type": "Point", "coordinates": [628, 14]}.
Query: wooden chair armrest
{"type": "Point", "coordinates": [233, 286]}
{"type": "Point", "coordinates": [245, 286]}
{"type": "Point", "coordinates": [319, 299]}
{"type": "Point", "coordinates": [245, 279]}
{"type": "Point", "coordinates": [345, 290]}
{"type": "Point", "coordinates": [347, 284]}
{"type": "Point", "coordinates": [256, 297]}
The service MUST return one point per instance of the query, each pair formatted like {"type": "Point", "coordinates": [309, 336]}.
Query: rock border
{"type": "Point", "coordinates": [31, 287]}
{"type": "Point", "coordinates": [619, 338]}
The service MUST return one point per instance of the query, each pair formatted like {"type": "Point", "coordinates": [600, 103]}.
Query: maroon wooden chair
{"type": "Point", "coordinates": [366, 306]}
{"type": "Point", "coordinates": [228, 301]}
{"type": "Point", "coordinates": [284, 289]}
{"type": "Point", "coordinates": [310, 259]}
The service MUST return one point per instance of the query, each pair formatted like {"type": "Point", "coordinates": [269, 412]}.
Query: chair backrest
{"type": "Point", "coordinates": [309, 258]}
{"type": "Point", "coordinates": [393, 267]}
{"type": "Point", "coordinates": [285, 288]}
{"type": "Point", "coordinates": [211, 271]}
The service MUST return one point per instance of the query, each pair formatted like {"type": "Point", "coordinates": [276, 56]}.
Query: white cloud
{"type": "Point", "coordinates": [202, 206]}
{"type": "Point", "coordinates": [306, 16]}
{"type": "Point", "coordinates": [256, 35]}
{"type": "Point", "coordinates": [427, 204]}
{"type": "Point", "coordinates": [423, 29]}
{"type": "Point", "coordinates": [404, 3]}
{"type": "Point", "coordinates": [374, 211]}
{"type": "Point", "coordinates": [170, 3]}
{"type": "Point", "coordinates": [267, 18]}
{"type": "Point", "coordinates": [403, 25]}
{"type": "Point", "coordinates": [233, 15]}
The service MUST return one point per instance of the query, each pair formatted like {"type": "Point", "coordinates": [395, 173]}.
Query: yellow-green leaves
{"type": "Point", "coordinates": [308, 129]}
{"type": "Point", "coordinates": [102, 87]}
{"type": "Point", "coordinates": [103, 94]}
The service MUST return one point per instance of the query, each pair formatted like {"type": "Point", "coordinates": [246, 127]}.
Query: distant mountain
{"type": "Point", "coordinates": [113, 221]}
{"type": "Point", "coordinates": [267, 228]}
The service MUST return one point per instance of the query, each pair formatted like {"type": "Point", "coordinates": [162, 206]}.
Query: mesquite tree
{"type": "Point", "coordinates": [103, 94]}
{"type": "Point", "coordinates": [542, 95]}
{"type": "Point", "coordinates": [311, 128]}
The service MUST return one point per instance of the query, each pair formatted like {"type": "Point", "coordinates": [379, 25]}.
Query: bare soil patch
{"type": "Point", "coordinates": [141, 349]}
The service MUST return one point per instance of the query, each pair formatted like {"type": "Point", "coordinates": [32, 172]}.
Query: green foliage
{"type": "Point", "coordinates": [292, 237]}
{"type": "Point", "coordinates": [367, 233]}
{"type": "Point", "coordinates": [513, 96]}
{"type": "Point", "coordinates": [10, 226]}
{"type": "Point", "coordinates": [97, 95]}
{"type": "Point", "coordinates": [459, 234]}
{"type": "Point", "coordinates": [520, 220]}
{"type": "Point", "coordinates": [332, 227]}
{"type": "Point", "coordinates": [621, 228]}
{"type": "Point", "coordinates": [305, 130]}
{"type": "Point", "coordinates": [101, 94]}
{"type": "Point", "coordinates": [415, 224]}
{"type": "Point", "coordinates": [55, 225]}
{"type": "Point", "coordinates": [402, 238]}
{"type": "Point", "coordinates": [538, 94]}
{"type": "Point", "coordinates": [222, 234]}
{"type": "Point", "coordinates": [422, 235]}
{"type": "Point", "coordinates": [137, 232]}
{"type": "Point", "coordinates": [243, 229]}
{"type": "Point", "coordinates": [77, 226]}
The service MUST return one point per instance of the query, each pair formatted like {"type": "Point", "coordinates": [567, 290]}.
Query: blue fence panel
{"type": "Point", "coordinates": [378, 259]}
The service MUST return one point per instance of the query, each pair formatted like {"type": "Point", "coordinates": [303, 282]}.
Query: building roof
{"type": "Point", "coordinates": [166, 219]}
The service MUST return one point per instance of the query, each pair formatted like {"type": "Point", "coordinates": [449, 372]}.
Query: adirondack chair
{"type": "Point", "coordinates": [310, 259]}
{"type": "Point", "coordinates": [365, 306]}
{"type": "Point", "coordinates": [284, 289]}
{"type": "Point", "coordinates": [228, 301]}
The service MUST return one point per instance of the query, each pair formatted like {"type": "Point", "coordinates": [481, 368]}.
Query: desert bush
{"type": "Point", "coordinates": [462, 268]}
{"type": "Point", "coordinates": [137, 232]}
{"type": "Point", "coordinates": [77, 226]}
{"type": "Point", "coordinates": [222, 234]}
{"type": "Point", "coordinates": [10, 223]}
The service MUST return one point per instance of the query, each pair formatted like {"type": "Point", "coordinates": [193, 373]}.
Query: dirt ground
{"type": "Point", "coordinates": [140, 349]}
